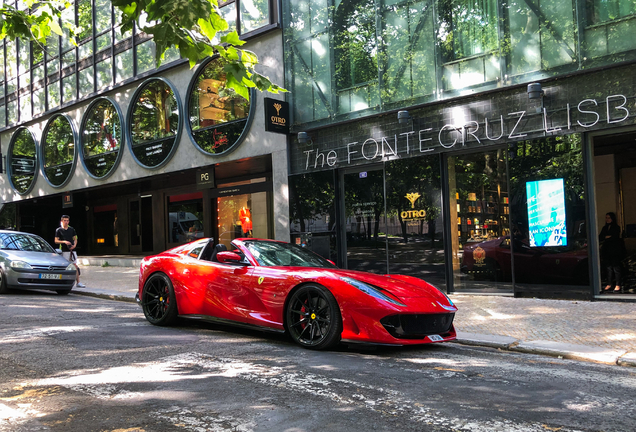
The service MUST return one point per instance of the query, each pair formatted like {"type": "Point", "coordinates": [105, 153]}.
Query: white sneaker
{"type": "Point", "coordinates": [80, 285]}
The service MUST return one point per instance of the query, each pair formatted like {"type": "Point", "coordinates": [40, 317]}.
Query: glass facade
{"type": "Point", "coordinates": [218, 116]}
{"type": "Point", "coordinates": [58, 150]}
{"type": "Point", "coordinates": [351, 58]}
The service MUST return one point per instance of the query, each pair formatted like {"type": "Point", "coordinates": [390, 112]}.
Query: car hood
{"type": "Point", "coordinates": [36, 258]}
{"type": "Point", "coordinates": [400, 286]}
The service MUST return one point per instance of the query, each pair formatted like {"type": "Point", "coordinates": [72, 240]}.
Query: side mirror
{"type": "Point", "coordinates": [228, 257]}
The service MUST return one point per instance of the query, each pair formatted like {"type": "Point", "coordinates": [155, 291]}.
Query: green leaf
{"type": "Point", "coordinates": [232, 38]}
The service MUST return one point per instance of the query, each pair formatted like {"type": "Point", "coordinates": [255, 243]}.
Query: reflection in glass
{"type": "Point", "coordinates": [185, 218]}
{"type": "Point", "coordinates": [58, 149]}
{"type": "Point", "coordinates": [242, 216]}
{"type": "Point", "coordinates": [154, 123]}
{"type": "Point", "coordinates": [479, 213]}
{"type": "Point", "coordinates": [254, 14]}
{"type": "Point", "coordinates": [312, 213]}
{"type": "Point", "coordinates": [414, 219]}
{"type": "Point", "coordinates": [101, 138]}
{"type": "Point", "coordinates": [558, 159]}
{"type": "Point", "coordinates": [22, 160]}
{"type": "Point", "coordinates": [365, 221]}
{"type": "Point", "coordinates": [217, 114]}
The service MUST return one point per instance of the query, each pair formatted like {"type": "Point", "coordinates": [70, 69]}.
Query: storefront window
{"type": "Point", "coordinates": [58, 150]}
{"type": "Point", "coordinates": [185, 217]}
{"type": "Point", "coordinates": [480, 228]}
{"type": "Point", "coordinates": [101, 138]}
{"type": "Point", "coordinates": [218, 116]}
{"type": "Point", "coordinates": [106, 226]}
{"type": "Point", "coordinates": [22, 161]}
{"type": "Point", "coordinates": [242, 215]}
{"type": "Point", "coordinates": [154, 123]}
{"type": "Point", "coordinates": [548, 221]}
{"type": "Point", "coordinates": [313, 214]}
{"type": "Point", "coordinates": [414, 219]}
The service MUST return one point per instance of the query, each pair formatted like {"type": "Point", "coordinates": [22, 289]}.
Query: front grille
{"type": "Point", "coordinates": [45, 281]}
{"type": "Point", "coordinates": [49, 268]}
{"type": "Point", "coordinates": [417, 326]}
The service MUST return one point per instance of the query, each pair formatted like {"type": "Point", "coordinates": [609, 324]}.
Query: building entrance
{"type": "Point", "coordinates": [365, 224]}
{"type": "Point", "coordinates": [141, 225]}
{"type": "Point", "coordinates": [615, 191]}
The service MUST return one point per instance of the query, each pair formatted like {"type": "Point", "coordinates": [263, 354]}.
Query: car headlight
{"type": "Point", "coordinates": [450, 302]}
{"type": "Point", "coordinates": [71, 266]}
{"type": "Point", "coordinates": [370, 290]}
{"type": "Point", "coordinates": [20, 265]}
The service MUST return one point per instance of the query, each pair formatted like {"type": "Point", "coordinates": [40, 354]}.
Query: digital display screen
{"type": "Point", "coordinates": [546, 213]}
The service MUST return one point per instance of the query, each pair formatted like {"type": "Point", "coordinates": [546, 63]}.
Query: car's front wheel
{"type": "Point", "coordinates": [3, 283]}
{"type": "Point", "coordinates": [313, 317]}
{"type": "Point", "coordinates": [158, 300]}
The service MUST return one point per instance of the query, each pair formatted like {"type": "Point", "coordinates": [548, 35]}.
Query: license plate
{"type": "Point", "coordinates": [435, 338]}
{"type": "Point", "coordinates": [50, 276]}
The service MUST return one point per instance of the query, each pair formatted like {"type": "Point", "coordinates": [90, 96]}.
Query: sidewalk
{"type": "Point", "coordinates": [602, 331]}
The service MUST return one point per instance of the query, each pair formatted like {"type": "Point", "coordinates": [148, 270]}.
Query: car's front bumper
{"type": "Point", "coordinates": [37, 279]}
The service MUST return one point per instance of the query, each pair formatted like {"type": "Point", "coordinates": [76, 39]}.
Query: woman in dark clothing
{"type": "Point", "coordinates": [611, 251]}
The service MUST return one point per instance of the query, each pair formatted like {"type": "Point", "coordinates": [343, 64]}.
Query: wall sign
{"type": "Point", "coordinates": [276, 115]}
{"type": "Point", "coordinates": [67, 200]}
{"type": "Point", "coordinates": [205, 179]}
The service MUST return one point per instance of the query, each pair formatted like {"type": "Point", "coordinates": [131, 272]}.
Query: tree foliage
{"type": "Point", "coordinates": [192, 26]}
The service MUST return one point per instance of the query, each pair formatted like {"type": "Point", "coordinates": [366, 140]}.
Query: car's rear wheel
{"type": "Point", "coordinates": [158, 300]}
{"type": "Point", "coordinates": [3, 284]}
{"type": "Point", "coordinates": [63, 292]}
{"type": "Point", "coordinates": [313, 317]}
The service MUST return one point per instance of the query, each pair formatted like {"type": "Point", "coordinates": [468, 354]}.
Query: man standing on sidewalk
{"type": "Point", "coordinates": [66, 237]}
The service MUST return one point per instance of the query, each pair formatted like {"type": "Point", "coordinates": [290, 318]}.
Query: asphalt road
{"type": "Point", "coordinates": [78, 364]}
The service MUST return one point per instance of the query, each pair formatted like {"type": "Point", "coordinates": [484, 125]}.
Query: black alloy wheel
{"type": "Point", "coordinates": [158, 300]}
{"type": "Point", "coordinates": [313, 317]}
{"type": "Point", "coordinates": [3, 283]}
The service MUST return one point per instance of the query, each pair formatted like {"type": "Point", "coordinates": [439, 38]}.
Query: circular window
{"type": "Point", "coordinates": [23, 161]}
{"type": "Point", "coordinates": [101, 138]}
{"type": "Point", "coordinates": [154, 123]}
{"type": "Point", "coordinates": [58, 150]}
{"type": "Point", "coordinates": [218, 116]}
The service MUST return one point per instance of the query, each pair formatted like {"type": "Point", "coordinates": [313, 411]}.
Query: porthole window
{"type": "Point", "coordinates": [218, 116]}
{"type": "Point", "coordinates": [154, 123]}
{"type": "Point", "coordinates": [58, 150]}
{"type": "Point", "coordinates": [23, 161]}
{"type": "Point", "coordinates": [101, 136]}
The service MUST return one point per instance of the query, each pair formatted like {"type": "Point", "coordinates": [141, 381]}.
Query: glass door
{"type": "Point", "coordinates": [364, 221]}
{"type": "Point", "coordinates": [479, 214]}
{"type": "Point", "coordinates": [141, 225]}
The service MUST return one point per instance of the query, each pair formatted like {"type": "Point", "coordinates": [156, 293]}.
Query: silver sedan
{"type": "Point", "coordinates": [27, 261]}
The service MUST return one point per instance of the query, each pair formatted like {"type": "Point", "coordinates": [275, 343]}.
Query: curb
{"type": "Point", "coordinates": [105, 296]}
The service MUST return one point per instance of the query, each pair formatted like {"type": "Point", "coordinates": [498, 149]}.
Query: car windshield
{"type": "Point", "coordinates": [24, 242]}
{"type": "Point", "coordinates": [284, 254]}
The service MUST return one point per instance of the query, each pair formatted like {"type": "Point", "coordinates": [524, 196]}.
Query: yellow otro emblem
{"type": "Point", "coordinates": [260, 280]}
{"type": "Point", "coordinates": [313, 316]}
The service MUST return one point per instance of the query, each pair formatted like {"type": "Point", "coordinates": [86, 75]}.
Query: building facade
{"type": "Point", "coordinates": [142, 159]}
{"type": "Point", "coordinates": [477, 144]}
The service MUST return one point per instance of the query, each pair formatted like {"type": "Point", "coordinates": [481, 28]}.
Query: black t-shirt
{"type": "Point", "coordinates": [65, 234]}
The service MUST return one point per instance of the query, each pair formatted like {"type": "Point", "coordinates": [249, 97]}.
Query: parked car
{"type": "Point", "coordinates": [490, 260]}
{"type": "Point", "coordinates": [282, 287]}
{"type": "Point", "coordinates": [27, 261]}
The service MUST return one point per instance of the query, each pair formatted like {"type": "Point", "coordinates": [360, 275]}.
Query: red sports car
{"type": "Point", "coordinates": [278, 286]}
